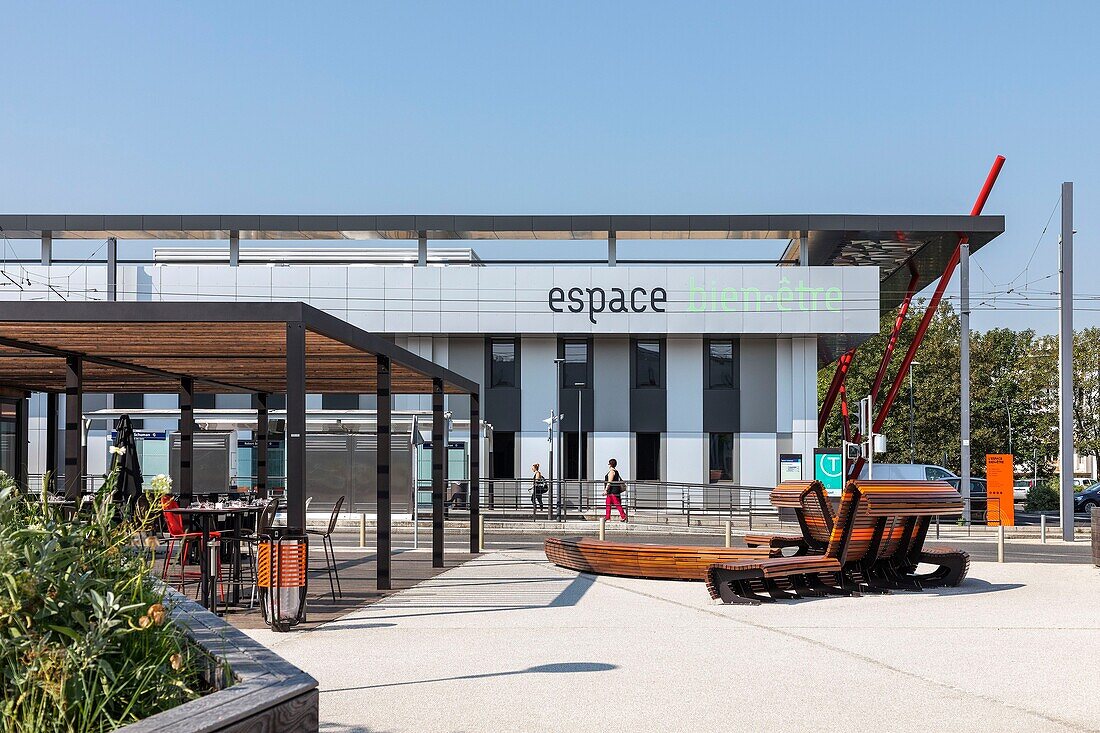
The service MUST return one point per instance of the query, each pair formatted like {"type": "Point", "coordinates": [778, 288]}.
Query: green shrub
{"type": "Point", "coordinates": [1042, 497]}
{"type": "Point", "coordinates": [85, 641]}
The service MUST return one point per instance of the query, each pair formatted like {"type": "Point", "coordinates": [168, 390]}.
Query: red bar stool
{"type": "Point", "coordinates": [178, 535]}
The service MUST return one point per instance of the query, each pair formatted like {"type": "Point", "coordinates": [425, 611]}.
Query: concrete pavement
{"type": "Point", "coordinates": [507, 642]}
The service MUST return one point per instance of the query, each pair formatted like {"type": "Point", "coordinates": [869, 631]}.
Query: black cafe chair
{"type": "Point", "coordinates": [330, 553]}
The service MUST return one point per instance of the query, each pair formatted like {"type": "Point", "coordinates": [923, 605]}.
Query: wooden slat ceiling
{"type": "Point", "coordinates": [242, 356]}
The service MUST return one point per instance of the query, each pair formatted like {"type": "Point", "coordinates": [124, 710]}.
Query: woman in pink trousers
{"type": "Point", "coordinates": [613, 487]}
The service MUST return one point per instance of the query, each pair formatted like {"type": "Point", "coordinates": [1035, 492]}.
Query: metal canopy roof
{"type": "Point", "coordinates": [783, 226]}
{"type": "Point", "coordinates": [224, 347]}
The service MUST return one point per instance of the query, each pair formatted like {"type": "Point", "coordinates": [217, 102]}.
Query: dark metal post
{"type": "Point", "coordinates": [187, 440]}
{"type": "Point", "coordinates": [382, 410]}
{"type": "Point", "coordinates": [51, 439]}
{"type": "Point", "coordinates": [295, 426]}
{"type": "Point", "coordinates": [234, 248]}
{"type": "Point", "coordinates": [1065, 364]}
{"type": "Point", "coordinates": [47, 248]}
{"type": "Point", "coordinates": [422, 249]}
{"type": "Point", "coordinates": [474, 495]}
{"type": "Point", "coordinates": [74, 409]}
{"type": "Point", "coordinates": [22, 431]}
{"type": "Point", "coordinates": [259, 404]}
{"type": "Point", "coordinates": [112, 269]}
{"type": "Point", "coordinates": [439, 472]}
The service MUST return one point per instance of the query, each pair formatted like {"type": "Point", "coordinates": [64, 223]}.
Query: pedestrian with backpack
{"type": "Point", "coordinates": [539, 487]}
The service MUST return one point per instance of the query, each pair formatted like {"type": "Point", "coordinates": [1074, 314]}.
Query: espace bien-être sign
{"type": "Point", "coordinates": [791, 294]}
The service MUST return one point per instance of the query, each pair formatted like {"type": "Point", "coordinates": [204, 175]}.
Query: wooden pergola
{"type": "Point", "coordinates": [229, 347]}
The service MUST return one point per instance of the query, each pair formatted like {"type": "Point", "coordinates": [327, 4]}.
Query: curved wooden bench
{"type": "Point", "coordinates": [635, 560]}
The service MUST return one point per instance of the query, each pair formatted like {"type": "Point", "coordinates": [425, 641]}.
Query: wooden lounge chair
{"type": "Point", "coordinates": [813, 511]}
{"type": "Point", "coordinates": [917, 502]}
{"type": "Point", "coordinates": [635, 560]}
{"type": "Point", "coordinates": [816, 518]}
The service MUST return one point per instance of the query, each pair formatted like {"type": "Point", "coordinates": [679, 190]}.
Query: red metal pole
{"type": "Point", "coordinates": [902, 311]}
{"type": "Point", "coordinates": [930, 312]}
{"type": "Point", "coordinates": [844, 420]}
{"type": "Point", "coordinates": [834, 388]}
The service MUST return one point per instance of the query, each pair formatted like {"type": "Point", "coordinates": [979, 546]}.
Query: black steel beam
{"type": "Point", "coordinates": [439, 472]}
{"type": "Point", "coordinates": [51, 439]}
{"type": "Point", "coordinates": [259, 403]}
{"type": "Point", "coordinates": [295, 441]}
{"type": "Point", "coordinates": [187, 440]}
{"type": "Point", "coordinates": [383, 410]}
{"type": "Point", "coordinates": [74, 417]}
{"type": "Point", "coordinates": [474, 495]}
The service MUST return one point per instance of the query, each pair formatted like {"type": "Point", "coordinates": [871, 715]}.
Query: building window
{"type": "Point", "coordinates": [721, 457]}
{"type": "Point", "coordinates": [647, 364]}
{"type": "Point", "coordinates": [648, 446]}
{"type": "Point", "coordinates": [504, 455]}
{"type": "Point", "coordinates": [575, 369]}
{"type": "Point", "coordinates": [502, 363]}
{"type": "Point", "coordinates": [570, 459]}
{"type": "Point", "coordinates": [721, 365]}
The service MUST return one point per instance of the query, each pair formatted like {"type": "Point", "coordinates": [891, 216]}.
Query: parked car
{"type": "Point", "coordinates": [979, 500]}
{"type": "Point", "coordinates": [1084, 501]}
{"type": "Point", "coordinates": [1021, 487]}
{"type": "Point", "coordinates": [910, 472]}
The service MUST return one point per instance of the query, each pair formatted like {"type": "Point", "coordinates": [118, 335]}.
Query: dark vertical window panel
{"type": "Point", "coordinates": [339, 402]}
{"type": "Point", "coordinates": [576, 368]}
{"type": "Point", "coordinates": [502, 363]}
{"type": "Point", "coordinates": [504, 455]}
{"type": "Point", "coordinates": [570, 455]}
{"type": "Point", "coordinates": [647, 364]}
{"type": "Point", "coordinates": [648, 453]}
{"type": "Point", "coordinates": [722, 367]}
{"type": "Point", "coordinates": [721, 457]}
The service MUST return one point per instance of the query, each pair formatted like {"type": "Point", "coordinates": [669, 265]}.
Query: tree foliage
{"type": "Point", "coordinates": [1013, 381]}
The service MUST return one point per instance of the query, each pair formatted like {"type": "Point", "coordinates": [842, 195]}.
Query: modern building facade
{"type": "Point", "coordinates": [689, 372]}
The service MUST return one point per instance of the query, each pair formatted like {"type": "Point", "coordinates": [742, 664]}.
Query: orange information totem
{"type": "Point", "coordinates": [998, 482]}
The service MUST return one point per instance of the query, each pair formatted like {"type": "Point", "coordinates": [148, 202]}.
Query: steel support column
{"type": "Point", "coordinates": [47, 248]}
{"type": "Point", "coordinates": [295, 426]}
{"type": "Point", "coordinates": [50, 467]}
{"type": "Point", "coordinates": [383, 410]}
{"type": "Point", "coordinates": [964, 376]}
{"type": "Point", "coordinates": [234, 248]}
{"type": "Point", "coordinates": [187, 440]}
{"type": "Point", "coordinates": [474, 495]}
{"type": "Point", "coordinates": [259, 404]}
{"type": "Point", "coordinates": [1065, 364]}
{"type": "Point", "coordinates": [422, 249]}
{"type": "Point", "coordinates": [112, 268]}
{"type": "Point", "coordinates": [439, 472]}
{"type": "Point", "coordinates": [74, 409]}
{"type": "Point", "coordinates": [612, 249]}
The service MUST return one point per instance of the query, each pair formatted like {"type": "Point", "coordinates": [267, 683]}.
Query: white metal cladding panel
{"type": "Point", "coordinates": [531, 447]}
{"type": "Point", "coordinates": [607, 445]}
{"type": "Point", "coordinates": [759, 459]}
{"type": "Point", "coordinates": [538, 381]}
{"type": "Point", "coordinates": [758, 385]}
{"type": "Point", "coordinates": [684, 384]}
{"type": "Point", "coordinates": [804, 389]}
{"type": "Point", "coordinates": [687, 457]}
{"type": "Point", "coordinates": [611, 374]}
{"type": "Point", "coordinates": [784, 381]}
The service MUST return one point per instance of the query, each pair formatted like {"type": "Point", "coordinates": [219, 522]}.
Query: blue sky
{"type": "Point", "coordinates": [566, 107]}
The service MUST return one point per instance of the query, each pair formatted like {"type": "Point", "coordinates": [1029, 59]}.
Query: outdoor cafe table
{"type": "Point", "coordinates": [208, 590]}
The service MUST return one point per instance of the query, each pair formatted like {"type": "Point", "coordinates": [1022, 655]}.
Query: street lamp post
{"type": "Point", "coordinates": [580, 445]}
{"type": "Point", "coordinates": [557, 409]}
{"type": "Point", "coordinates": [912, 417]}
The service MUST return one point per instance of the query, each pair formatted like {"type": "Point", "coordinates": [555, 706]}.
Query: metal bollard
{"type": "Point", "coordinates": [1000, 543]}
{"type": "Point", "coordinates": [362, 530]}
{"type": "Point", "coordinates": [937, 526]}
{"type": "Point", "coordinates": [481, 532]}
{"type": "Point", "coordinates": [729, 533]}
{"type": "Point", "coordinates": [1043, 528]}
{"type": "Point", "coordinates": [603, 522]}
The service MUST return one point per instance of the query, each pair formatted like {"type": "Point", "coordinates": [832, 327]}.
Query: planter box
{"type": "Point", "coordinates": [264, 693]}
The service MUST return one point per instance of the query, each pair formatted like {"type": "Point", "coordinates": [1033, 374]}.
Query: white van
{"type": "Point", "coordinates": [909, 472]}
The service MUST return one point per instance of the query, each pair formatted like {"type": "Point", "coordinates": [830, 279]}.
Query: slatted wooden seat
{"type": "Point", "coordinates": [917, 502]}
{"type": "Point", "coordinates": [635, 560]}
{"type": "Point", "coordinates": [814, 514]}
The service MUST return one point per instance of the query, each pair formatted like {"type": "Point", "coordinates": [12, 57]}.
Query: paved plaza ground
{"type": "Point", "coordinates": [508, 642]}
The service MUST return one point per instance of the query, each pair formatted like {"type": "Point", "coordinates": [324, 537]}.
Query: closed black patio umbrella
{"type": "Point", "coordinates": [128, 490]}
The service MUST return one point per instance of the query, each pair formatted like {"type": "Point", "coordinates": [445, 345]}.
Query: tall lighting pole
{"type": "Point", "coordinates": [1065, 364]}
{"type": "Point", "coordinates": [580, 443]}
{"type": "Point", "coordinates": [561, 459]}
{"type": "Point", "coordinates": [912, 416]}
